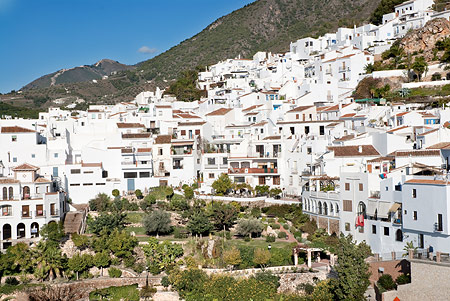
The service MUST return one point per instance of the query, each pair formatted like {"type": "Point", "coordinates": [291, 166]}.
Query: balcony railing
{"type": "Point", "coordinates": [344, 69]}
{"type": "Point", "coordinates": [54, 212]}
{"type": "Point", "coordinates": [39, 213]}
{"type": "Point", "coordinates": [250, 170]}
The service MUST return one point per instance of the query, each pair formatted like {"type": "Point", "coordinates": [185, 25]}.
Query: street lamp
{"type": "Point", "coordinates": [269, 247]}
{"type": "Point", "coordinates": [146, 280]}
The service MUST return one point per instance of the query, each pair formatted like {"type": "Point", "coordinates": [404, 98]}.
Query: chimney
{"type": "Point", "coordinates": [360, 149]}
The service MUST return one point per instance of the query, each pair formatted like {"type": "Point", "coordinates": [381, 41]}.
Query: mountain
{"type": "Point", "coordinates": [263, 25]}
{"type": "Point", "coordinates": [78, 74]}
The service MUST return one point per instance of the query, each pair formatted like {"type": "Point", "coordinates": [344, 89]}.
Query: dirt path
{"type": "Point", "coordinates": [290, 236]}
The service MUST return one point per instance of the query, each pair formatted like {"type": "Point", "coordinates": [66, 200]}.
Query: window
{"type": "Point", "coordinates": [361, 187]}
{"type": "Point", "coordinates": [211, 175]}
{"type": "Point", "coordinates": [414, 193]}
{"type": "Point", "coordinates": [309, 150]}
{"type": "Point", "coordinates": [322, 130]}
{"type": "Point", "coordinates": [183, 132]}
{"type": "Point", "coordinates": [439, 223]}
{"type": "Point", "coordinates": [421, 241]}
{"type": "Point", "coordinates": [74, 184]}
{"type": "Point", "coordinates": [347, 186]}
{"type": "Point", "coordinates": [7, 210]}
{"type": "Point", "coordinates": [88, 184]}
{"type": "Point", "coordinates": [160, 151]}
{"type": "Point", "coordinates": [276, 180]}
{"type": "Point", "coordinates": [399, 235]}
{"type": "Point", "coordinates": [398, 187]}
{"type": "Point", "coordinates": [55, 155]}
{"type": "Point", "coordinates": [306, 130]}
{"type": "Point", "coordinates": [347, 226]}
{"type": "Point", "coordinates": [386, 231]}
{"type": "Point", "coordinates": [144, 174]}
{"type": "Point", "coordinates": [33, 156]}
{"type": "Point", "coordinates": [14, 138]}
{"type": "Point", "coordinates": [14, 159]}
{"type": "Point", "coordinates": [262, 180]}
{"type": "Point", "coordinates": [100, 184]}
{"type": "Point", "coordinates": [53, 209]}
{"type": "Point", "coordinates": [88, 171]}
{"type": "Point", "coordinates": [292, 130]}
{"type": "Point", "coordinates": [415, 215]}
{"type": "Point", "coordinates": [130, 175]}
{"type": "Point", "coordinates": [39, 210]}
{"type": "Point", "coordinates": [374, 229]}
{"type": "Point", "coordinates": [211, 161]}
{"type": "Point", "coordinates": [297, 116]}
{"type": "Point", "coordinates": [224, 160]}
{"type": "Point", "coordinates": [25, 211]}
{"type": "Point", "coordinates": [197, 132]}
{"type": "Point", "coordinates": [347, 205]}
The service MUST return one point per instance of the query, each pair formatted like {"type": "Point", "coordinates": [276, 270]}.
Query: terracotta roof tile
{"type": "Point", "coordinates": [251, 107]}
{"type": "Point", "coordinates": [300, 109]}
{"type": "Point", "coordinates": [440, 145]}
{"type": "Point", "coordinates": [25, 167]}
{"type": "Point", "coordinates": [416, 153]}
{"type": "Point", "coordinates": [426, 181]}
{"type": "Point", "coordinates": [219, 112]}
{"type": "Point", "coordinates": [163, 139]}
{"type": "Point", "coordinates": [123, 125]}
{"type": "Point", "coordinates": [8, 181]}
{"type": "Point", "coordinates": [15, 129]}
{"type": "Point", "coordinates": [144, 150]}
{"type": "Point", "coordinates": [272, 138]}
{"type": "Point", "coordinates": [354, 151]}
{"type": "Point", "coordinates": [136, 136]}
{"type": "Point", "coordinates": [191, 123]}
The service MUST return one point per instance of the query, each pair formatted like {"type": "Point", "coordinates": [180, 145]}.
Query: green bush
{"type": "Point", "coordinates": [256, 212]}
{"type": "Point", "coordinates": [386, 282]}
{"type": "Point", "coordinates": [286, 226]}
{"type": "Point", "coordinates": [180, 232]}
{"type": "Point", "coordinates": [275, 226]}
{"type": "Point", "coordinates": [403, 279]}
{"type": "Point", "coordinates": [12, 281]}
{"type": "Point", "coordinates": [280, 257]}
{"type": "Point", "coordinates": [436, 76]}
{"type": "Point", "coordinates": [282, 235]}
{"type": "Point", "coordinates": [270, 238]}
{"type": "Point", "coordinates": [114, 272]}
{"type": "Point", "coordinates": [247, 254]}
{"type": "Point", "coordinates": [165, 281]}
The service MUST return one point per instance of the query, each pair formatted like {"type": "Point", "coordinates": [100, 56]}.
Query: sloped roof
{"type": "Point", "coordinates": [219, 112]}
{"type": "Point", "coordinates": [163, 139]}
{"type": "Point", "coordinates": [440, 145]}
{"type": "Point", "coordinates": [353, 151]}
{"type": "Point", "coordinates": [26, 167]}
{"type": "Point", "coordinates": [426, 181]}
{"type": "Point", "coordinates": [123, 125]}
{"type": "Point", "coordinates": [272, 138]}
{"type": "Point", "coordinates": [16, 129]}
{"type": "Point", "coordinates": [137, 136]}
{"type": "Point", "coordinates": [416, 153]}
{"type": "Point", "coordinates": [300, 109]}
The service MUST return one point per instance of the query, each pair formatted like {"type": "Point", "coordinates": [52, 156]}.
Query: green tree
{"type": "Point", "coordinates": [101, 202]}
{"type": "Point", "coordinates": [108, 222]}
{"type": "Point", "coordinates": [262, 190]}
{"type": "Point", "coordinates": [157, 222]}
{"type": "Point", "coordinates": [52, 233]}
{"type": "Point", "coordinates": [80, 241]}
{"type": "Point", "coordinates": [188, 192]}
{"type": "Point", "coordinates": [222, 185]}
{"type": "Point", "coordinates": [79, 263]}
{"type": "Point", "coordinates": [185, 87]}
{"type": "Point", "coordinates": [232, 257]}
{"type": "Point", "coordinates": [352, 270]}
{"type": "Point", "coordinates": [147, 202]}
{"type": "Point", "coordinates": [385, 7]}
{"type": "Point", "coordinates": [101, 260]}
{"type": "Point", "coordinates": [161, 256]}
{"type": "Point", "coordinates": [19, 258]}
{"type": "Point", "coordinates": [122, 244]}
{"type": "Point", "coordinates": [222, 215]}
{"type": "Point", "coordinates": [198, 222]}
{"type": "Point", "coordinates": [115, 193]}
{"type": "Point", "coordinates": [420, 66]}
{"type": "Point", "coordinates": [48, 260]}
{"type": "Point", "coordinates": [261, 257]}
{"type": "Point", "coordinates": [248, 227]}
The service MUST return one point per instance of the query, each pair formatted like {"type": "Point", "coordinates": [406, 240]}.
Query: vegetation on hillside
{"type": "Point", "coordinates": [15, 111]}
{"type": "Point", "coordinates": [264, 25]}
{"type": "Point", "coordinates": [385, 7]}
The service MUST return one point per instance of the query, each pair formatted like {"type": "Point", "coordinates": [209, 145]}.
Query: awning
{"type": "Point", "coordinates": [395, 207]}
{"type": "Point", "coordinates": [383, 209]}
{"type": "Point", "coordinates": [371, 207]}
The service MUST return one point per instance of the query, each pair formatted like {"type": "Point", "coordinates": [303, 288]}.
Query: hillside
{"type": "Point", "coordinates": [78, 74]}
{"type": "Point", "coordinates": [264, 25]}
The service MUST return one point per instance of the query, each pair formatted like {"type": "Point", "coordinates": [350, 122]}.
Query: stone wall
{"type": "Point", "coordinates": [394, 268]}
{"type": "Point", "coordinates": [289, 282]}
{"type": "Point", "coordinates": [429, 281]}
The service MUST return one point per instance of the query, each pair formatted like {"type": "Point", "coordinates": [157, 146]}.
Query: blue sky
{"type": "Point", "coordinates": [38, 37]}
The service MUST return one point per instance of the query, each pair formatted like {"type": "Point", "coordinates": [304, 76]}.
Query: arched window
{"type": "Point", "coordinates": [21, 230]}
{"type": "Point", "coordinates": [6, 231]}
{"type": "Point", "coordinates": [325, 208]}
{"type": "Point", "coordinates": [5, 193]}
{"type": "Point", "coordinates": [399, 235]}
{"type": "Point", "coordinates": [320, 207]}
{"type": "Point", "coordinates": [34, 230]}
{"type": "Point", "coordinates": [26, 192]}
{"type": "Point", "coordinates": [11, 193]}
{"type": "Point", "coordinates": [337, 208]}
{"type": "Point", "coordinates": [331, 209]}
{"type": "Point", "coordinates": [362, 209]}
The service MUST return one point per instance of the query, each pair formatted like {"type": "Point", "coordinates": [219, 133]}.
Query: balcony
{"type": "Point", "coordinates": [250, 170]}
{"type": "Point", "coordinates": [40, 213]}
{"type": "Point", "coordinates": [266, 155]}
{"type": "Point", "coordinates": [177, 167]}
{"type": "Point", "coordinates": [54, 212]}
{"type": "Point", "coordinates": [344, 69]}
{"type": "Point", "coordinates": [26, 214]}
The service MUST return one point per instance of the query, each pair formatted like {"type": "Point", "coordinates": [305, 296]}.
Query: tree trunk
{"type": "Point", "coordinates": [77, 275]}
{"type": "Point", "coordinates": [101, 271]}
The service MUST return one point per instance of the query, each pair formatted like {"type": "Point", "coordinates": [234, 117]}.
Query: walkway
{"type": "Point", "coordinates": [290, 236]}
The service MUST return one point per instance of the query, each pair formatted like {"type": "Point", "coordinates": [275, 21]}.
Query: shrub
{"type": "Point", "coordinates": [139, 268]}
{"type": "Point", "coordinates": [436, 76]}
{"type": "Point", "coordinates": [286, 226]}
{"type": "Point", "coordinates": [165, 281]}
{"type": "Point", "coordinates": [147, 292]}
{"type": "Point", "coordinates": [180, 232]}
{"type": "Point", "coordinates": [275, 226]}
{"type": "Point", "coordinates": [270, 238]}
{"type": "Point", "coordinates": [256, 212]}
{"type": "Point", "coordinates": [12, 281]}
{"type": "Point", "coordinates": [114, 272]}
{"type": "Point", "coordinates": [306, 287]}
{"type": "Point", "coordinates": [138, 193]}
{"type": "Point", "coordinates": [386, 282]}
{"type": "Point", "coordinates": [249, 227]}
{"type": "Point", "coordinates": [282, 235]}
{"type": "Point", "coordinates": [280, 257]}
{"type": "Point", "coordinates": [403, 279]}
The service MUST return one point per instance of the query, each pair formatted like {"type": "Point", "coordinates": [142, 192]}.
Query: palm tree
{"type": "Point", "coordinates": [409, 246]}
{"type": "Point", "coordinates": [49, 262]}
